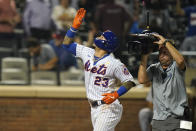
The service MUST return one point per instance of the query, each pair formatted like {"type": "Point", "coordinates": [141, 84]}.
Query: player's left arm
{"type": "Point", "coordinates": [121, 73]}
{"type": "Point", "coordinates": [111, 97]}
{"type": "Point", "coordinates": [126, 86]}
{"type": "Point", "coordinates": [172, 50]}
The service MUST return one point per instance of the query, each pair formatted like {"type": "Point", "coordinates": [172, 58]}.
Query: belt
{"type": "Point", "coordinates": [96, 103]}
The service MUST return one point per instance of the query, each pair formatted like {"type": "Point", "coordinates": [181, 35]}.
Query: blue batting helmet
{"type": "Point", "coordinates": [111, 42]}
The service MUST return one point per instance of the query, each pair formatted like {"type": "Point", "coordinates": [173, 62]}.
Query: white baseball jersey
{"type": "Point", "coordinates": [100, 76]}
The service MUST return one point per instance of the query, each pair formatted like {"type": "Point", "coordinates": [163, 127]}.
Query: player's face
{"type": "Point", "coordinates": [101, 37]}
{"type": "Point", "coordinates": [165, 57]}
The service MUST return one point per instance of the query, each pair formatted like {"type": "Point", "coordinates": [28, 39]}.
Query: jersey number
{"type": "Point", "coordinates": [101, 81]}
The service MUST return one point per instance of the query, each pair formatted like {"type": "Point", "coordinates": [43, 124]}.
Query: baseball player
{"type": "Point", "coordinates": [101, 72]}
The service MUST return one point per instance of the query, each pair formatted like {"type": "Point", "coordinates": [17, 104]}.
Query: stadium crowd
{"type": "Point", "coordinates": [45, 21]}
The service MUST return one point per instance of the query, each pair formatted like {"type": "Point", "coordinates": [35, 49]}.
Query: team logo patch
{"type": "Point", "coordinates": [126, 71]}
{"type": "Point", "coordinates": [107, 63]}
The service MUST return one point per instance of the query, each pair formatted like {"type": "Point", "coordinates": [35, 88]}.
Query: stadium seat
{"type": "Point", "coordinates": [73, 77]}
{"type": "Point", "coordinates": [44, 78]}
{"type": "Point", "coordinates": [5, 52]}
{"type": "Point", "coordinates": [14, 77]}
{"type": "Point", "coordinates": [14, 70]}
{"type": "Point", "coordinates": [14, 63]}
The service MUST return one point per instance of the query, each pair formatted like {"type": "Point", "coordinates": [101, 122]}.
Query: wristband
{"type": "Point", "coordinates": [71, 32]}
{"type": "Point", "coordinates": [122, 90]}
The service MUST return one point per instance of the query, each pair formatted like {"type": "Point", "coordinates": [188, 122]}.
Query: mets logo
{"type": "Point", "coordinates": [99, 70]}
{"type": "Point", "coordinates": [126, 71]}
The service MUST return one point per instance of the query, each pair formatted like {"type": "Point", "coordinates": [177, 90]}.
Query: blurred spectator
{"type": "Point", "coordinates": [9, 17]}
{"type": "Point", "coordinates": [37, 18]}
{"type": "Point", "coordinates": [136, 13]}
{"type": "Point", "coordinates": [145, 114]}
{"type": "Point", "coordinates": [65, 58]}
{"type": "Point", "coordinates": [159, 20]}
{"type": "Point", "coordinates": [91, 34]}
{"type": "Point", "coordinates": [63, 15]}
{"type": "Point", "coordinates": [114, 17]}
{"type": "Point", "coordinates": [136, 16]}
{"type": "Point", "coordinates": [190, 12]}
{"type": "Point", "coordinates": [74, 4]}
{"type": "Point", "coordinates": [90, 7]}
{"type": "Point", "coordinates": [44, 57]}
{"type": "Point", "coordinates": [87, 29]}
{"type": "Point", "coordinates": [127, 4]}
{"type": "Point", "coordinates": [135, 26]}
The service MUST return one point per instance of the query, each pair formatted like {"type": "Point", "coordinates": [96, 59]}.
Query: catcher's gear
{"type": "Point", "coordinates": [110, 97]}
{"type": "Point", "coordinates": [110, 44]}
{"type": "Point", "coordinates": [78, 18]}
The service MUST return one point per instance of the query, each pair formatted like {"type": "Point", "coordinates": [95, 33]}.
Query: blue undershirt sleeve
{"type": "Point", "coordinates": [71, 48]}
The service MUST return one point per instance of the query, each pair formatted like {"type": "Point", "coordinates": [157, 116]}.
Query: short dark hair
{"type": "Point", "coordinates": [32, 42]}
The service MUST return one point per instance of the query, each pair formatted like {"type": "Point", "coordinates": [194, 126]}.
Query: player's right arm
{"type": "Point", "coordinates": [142, 73]}
{"type": "Point", "coordinates": [75, 26]}
{"type": "Point", "coordinates": [121, 73]}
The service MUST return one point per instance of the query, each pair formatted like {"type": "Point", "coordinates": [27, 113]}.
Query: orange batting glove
{"type": "Point", "coordinates": [79, 18]}
{"type": "Point", "coordinates": [110, 97]}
